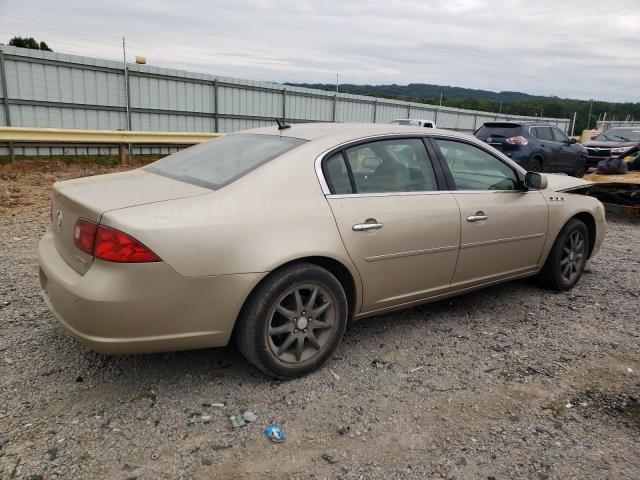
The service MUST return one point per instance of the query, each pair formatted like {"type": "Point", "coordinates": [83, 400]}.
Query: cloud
{"type": "Point", "coordinates": [573, 48]}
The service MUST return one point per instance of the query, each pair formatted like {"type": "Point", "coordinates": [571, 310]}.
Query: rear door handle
{"type": "Point", "coordinates": [361, 227]}
{"type": "Point", "coordinates": [478, 217]}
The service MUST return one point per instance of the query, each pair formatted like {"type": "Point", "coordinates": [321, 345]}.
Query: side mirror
{"type": "Point", "coordinates": [536, 181]}
{"type": "Point", "coordinates": [572, 141]}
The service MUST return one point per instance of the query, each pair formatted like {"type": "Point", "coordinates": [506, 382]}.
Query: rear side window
{"type": "Point", "coordinates": [219, 162]}
{"type": "Point", "coordinates": [498, 130]}
{"type": "Point", "coordinates": [385, 166]}
{"type": "Point", "coordinates": [337, 175]}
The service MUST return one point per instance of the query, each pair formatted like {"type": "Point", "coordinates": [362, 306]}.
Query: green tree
{"type": "Point", "coordinates": [29, 42]}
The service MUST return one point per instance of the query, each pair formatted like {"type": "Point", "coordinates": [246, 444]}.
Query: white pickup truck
{"type": "Point", "coordinates": [414, 123]}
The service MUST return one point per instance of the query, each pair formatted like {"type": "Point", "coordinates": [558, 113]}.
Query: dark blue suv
{"type": "Point", "coordinates": [535, 146]}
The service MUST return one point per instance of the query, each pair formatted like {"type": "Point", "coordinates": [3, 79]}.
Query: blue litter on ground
{"type": "Point", "coordinates": [275, 433]}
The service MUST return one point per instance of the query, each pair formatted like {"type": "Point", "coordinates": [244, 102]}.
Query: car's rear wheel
{"type": "Point", "coordinates": [566, 260]}
{"type": "Point", "coordinates": [535, 165]}
{"type": "Point", "coordinates": [579, 168]}
{"type": "Point", "coordinates": [293, 321]}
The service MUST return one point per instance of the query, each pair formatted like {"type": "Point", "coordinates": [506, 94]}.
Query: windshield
{"type": "Point", "coordinates": [216, 163]}
{"type": "Point", "coordinates": [619, 135]}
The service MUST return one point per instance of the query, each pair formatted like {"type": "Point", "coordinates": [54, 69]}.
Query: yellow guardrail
{"type": "Point", "coordinates": [70, 136]}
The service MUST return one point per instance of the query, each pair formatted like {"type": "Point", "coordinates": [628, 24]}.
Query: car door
{"type": "Point", "coordinates": [503, 228]}
{"type": "Point", "coordinates": [568, 156]}
{"type": "Point", "coordinates": [551, 149]}
{"type": "Point", "coordinates": [401, 232]}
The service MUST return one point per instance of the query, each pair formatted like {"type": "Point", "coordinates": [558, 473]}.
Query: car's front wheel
{"type": "Point", "coordinates": [579, 168]}
{"type": "Point", "coordinates": [293, 321]}
{"type": "Point", "coordinates": [566, 260]}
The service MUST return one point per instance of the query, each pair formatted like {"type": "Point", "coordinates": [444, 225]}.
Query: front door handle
{"type": "Point", "coordinates": [361, 227]}
{"type": "Point", "coordinates": [478, 217]}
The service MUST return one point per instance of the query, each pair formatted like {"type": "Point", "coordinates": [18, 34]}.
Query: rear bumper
{"type": "Point", "coordinates": [137, 308]}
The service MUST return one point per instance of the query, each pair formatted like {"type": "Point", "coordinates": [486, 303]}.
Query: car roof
{"type": "Point", "coordinates": [344, 132]}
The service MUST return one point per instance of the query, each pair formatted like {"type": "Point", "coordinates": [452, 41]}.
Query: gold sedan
{"type": "Point", "coordinates": [278, 236]}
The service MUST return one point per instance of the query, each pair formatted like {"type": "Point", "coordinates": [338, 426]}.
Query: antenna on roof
{"type": "Point", "coordinates": [281, 124]}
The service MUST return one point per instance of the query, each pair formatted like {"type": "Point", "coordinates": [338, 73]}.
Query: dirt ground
{"type": "Point", "coordinates": [509, 382]}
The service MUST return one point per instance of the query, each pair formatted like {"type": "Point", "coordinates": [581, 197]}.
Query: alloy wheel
{"type": "Point", "coordinates": [572, 257]}
{"type": "Point", "coordinates": [301, 323]}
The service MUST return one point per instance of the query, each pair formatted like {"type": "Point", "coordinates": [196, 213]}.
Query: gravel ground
{"type": "Point", "coordinates": [509, 382]}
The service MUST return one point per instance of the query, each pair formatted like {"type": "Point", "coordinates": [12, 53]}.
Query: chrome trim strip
{"type": "Point", "coordinates": [433, 192]}
{"type": "Point", "coordinates": [502, 240]}
{"type": "Point", "coordinates": [389, 194]}
{"type": "Point", "coordinates": [386, 256]}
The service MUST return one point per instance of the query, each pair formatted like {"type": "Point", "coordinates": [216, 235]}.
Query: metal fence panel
{"type": "Point", "coordinates": [47, 89]}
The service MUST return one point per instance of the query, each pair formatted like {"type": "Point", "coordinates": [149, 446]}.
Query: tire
{"type": "Point", "coordinates": [276, 319]}
{"type": "Point", "coordinates": [563, 269]}
{"type": "Point", "coordinates": [535, 165]}
{"type": "Point", "coordinates": [579, 168]}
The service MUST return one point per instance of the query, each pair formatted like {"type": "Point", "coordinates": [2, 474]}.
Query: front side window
{"type": "Point", "coordinates": [474, 169]}
{"type": "Point", "coordinates": [543, 133]}
{"type": "Point", "coordinates": [218, 162]}
{"type": "Point", "coordinates": [396, 165]}
{"type": "Point", "coordinates": [559, 135]}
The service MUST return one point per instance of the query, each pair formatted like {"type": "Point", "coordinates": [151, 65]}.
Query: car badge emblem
{"type": "Point", "coordinates": [489, 139]}
{"type": "Point", "coordinates": [59, 220]}
{"type": "Point", "coordinates": [596, 149]}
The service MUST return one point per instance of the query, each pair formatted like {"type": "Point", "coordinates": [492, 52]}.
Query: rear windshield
{"type": "Point", "coordinates": [216, 163]}
{"type": "Point", "coordinates": [620, 135]}
{"type": "Point", "coordinates": [502, 130]}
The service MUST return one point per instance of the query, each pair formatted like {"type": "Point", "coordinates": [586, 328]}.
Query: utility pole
{"type": "Point", "coordinates": [589, 118]}
{"type": "Point", "coordinates": [337, 82]}
{"type": "Point", "coordinates": [440, 98]}
{"type": "Point", "coordinates": [573, 124]}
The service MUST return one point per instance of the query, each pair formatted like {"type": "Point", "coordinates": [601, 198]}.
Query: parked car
{"type": "Point", "coordinates": [613, 142]}
{"type": "Point", "coordinates": [414, 123]}
{"type": "Point", "coordinates": [278, 236]}
{"type": "Point", "coordinates": [536, 147]}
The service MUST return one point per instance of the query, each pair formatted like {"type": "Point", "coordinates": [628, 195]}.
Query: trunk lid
{"type": "Point", "coordinates": [91, 197]}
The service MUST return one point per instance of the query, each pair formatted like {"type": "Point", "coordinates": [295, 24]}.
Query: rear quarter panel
{"type": "Point", "coordinates": [273, 215]}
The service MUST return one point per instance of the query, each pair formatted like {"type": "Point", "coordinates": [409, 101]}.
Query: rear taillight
{"type": "Point", "coordinates": [84, 234]}
{"type": "Point", "coordinates": [110, 244]}
{"type": "Point", "coordinates": [518, 140]}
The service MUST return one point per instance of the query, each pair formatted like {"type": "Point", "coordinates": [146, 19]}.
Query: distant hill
{"type": "Point", "coordinates": [512, 103]}
{"type": "Point", "coordinates": [422, 90]}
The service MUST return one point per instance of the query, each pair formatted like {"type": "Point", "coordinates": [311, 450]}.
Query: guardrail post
{"type": "Point", "coordinates": [5, 101]}
{"type": "Point", "coordinates": [122, 153]}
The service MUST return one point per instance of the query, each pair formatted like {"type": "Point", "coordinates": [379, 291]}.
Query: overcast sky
{"type": "Point", "coordinates": [577, 49]}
